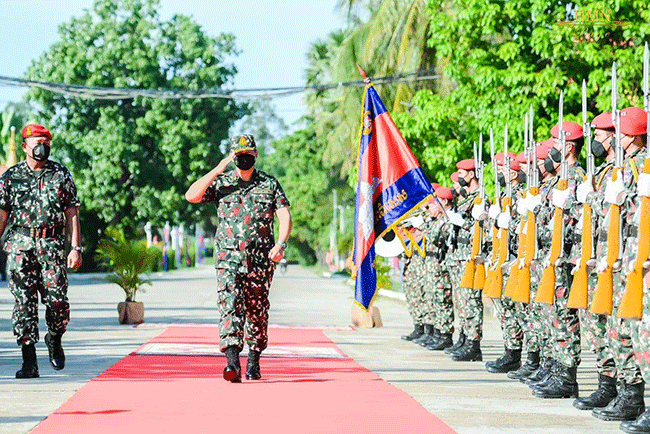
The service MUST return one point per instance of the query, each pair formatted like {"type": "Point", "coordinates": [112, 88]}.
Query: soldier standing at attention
{"type": "Point", "coordinates": [245, 251]}
{"type": "Point", "coordinates": [38, 199]}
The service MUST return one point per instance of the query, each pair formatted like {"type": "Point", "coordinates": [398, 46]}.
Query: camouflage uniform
{"type": "Point", "coordinates": [37, 263]}
{"type": "Point", "coordinates": [470, 307]}
{"type": "Point", "coordinates": [454, 266]}
{"type": "Point", "coordinates": [243, 240]}
{"type": "Point", "coordinates": [439, 279]}
{"type": "Point", "coordinates": [619, 330]}
{"type": "Point", "coordinates": [415, 290]}
{"type": "Point", "coordinates": [564, 338]}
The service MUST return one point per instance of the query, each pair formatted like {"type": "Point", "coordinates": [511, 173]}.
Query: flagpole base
{"type": "Point", "coordinates": [366, 319]}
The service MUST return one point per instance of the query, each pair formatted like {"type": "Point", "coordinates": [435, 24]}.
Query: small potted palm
{"type": "Point", "coordinates": [127, 260]}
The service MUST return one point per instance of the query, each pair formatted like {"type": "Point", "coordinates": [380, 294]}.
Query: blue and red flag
{"type": "Point", "coordinates": [391, 184]}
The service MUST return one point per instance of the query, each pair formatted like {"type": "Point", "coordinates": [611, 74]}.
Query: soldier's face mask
{"type": "Point", "coordinates": [598, 148]}
{"type": "Point", "coordinates": [463, 190]}
{"type": "Point", "coordinates": [41, 151]}
{"type": "Point", "coordinates": [555, 155]}
{"type": "Point", "coordinates": [463, 182]}
{"type": "Point", "coordinates": [244, 161]}
{"type": "Point", "coordinates": [521, 177]}
{"type": "Point", "coordinates": [549, 165]}
{"type": "Point", "coordinates": [501, 179]}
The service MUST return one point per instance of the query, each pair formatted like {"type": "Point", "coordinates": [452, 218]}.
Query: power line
{"type": "Point", "coordinates": [106, 93]}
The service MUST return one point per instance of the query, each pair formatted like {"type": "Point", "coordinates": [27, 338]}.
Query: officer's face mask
{"type": "Point", "coordinates": [598, 149]}
{"type": "Point", "coordinates": [41, 152]}
{"type": "Point", "coordinates": [555, 155]}
{"type": "Point", "coordinates": [521, 177]}
{"type": "Point", "coordinates": [549, 165]}
{"type": "Point", "coordinates": [463, 182]}
{"type": "Point", "coordinates": [501, 179]}
{"type": "Point", "coordinates": [244, 161]}
{"type": "Point", "coordinates": [463, 190]}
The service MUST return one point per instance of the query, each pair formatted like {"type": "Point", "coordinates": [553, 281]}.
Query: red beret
{"type": "Point", "coordinates": [603, 121]}
{"type": "Point", "coordinates": [573, 131]}
{"type": "Point", "coordinates": [634, 121]}
{"type": "Point", "coordinates": [35, 130]}
{"type": "Point", "coordinates": [466, 164]}
{"type": "Point", "coordinates": [514, 164]}
{"type": "Point", "coordinates": [444, 193]}
{"type": "Point", "coordinates": [543, 148]}
{"type": "Point", "coordinates": [521, 158]}
{"type": "Point", "coordinates": [454, 177]}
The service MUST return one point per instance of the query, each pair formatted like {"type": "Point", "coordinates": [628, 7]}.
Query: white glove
{"type": "Point", "coordinates": [533, 201]}
{"type": "Point", "coordinates": [583, 190]}
{"type": "Point", "coordinates": [455, 218]}
{"type": "Point", "coordinates": [521, 206]}
{"type": "Point", "coordinates": [478, 212]}
{"type": "Point", "coordinates": [494, 211]}
{"type": "Point", "coordinates": [503, 221]}
{"type": "Point", "coordinates": [560, 198]}
{"type": "Point", "coordinates": [614, 192]}
{"type": "Point", "coordinates": [643, 187]}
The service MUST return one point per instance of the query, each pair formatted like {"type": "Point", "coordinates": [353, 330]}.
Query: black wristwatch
{"type": "Point", "coordinates": [283, 245]}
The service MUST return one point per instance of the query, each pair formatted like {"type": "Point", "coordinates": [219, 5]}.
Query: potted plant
{"type": "Point", "coordinates": [127, 260]}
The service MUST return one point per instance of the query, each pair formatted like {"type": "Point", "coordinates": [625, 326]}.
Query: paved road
{"type": "Point", "coordinates": [463, 394]}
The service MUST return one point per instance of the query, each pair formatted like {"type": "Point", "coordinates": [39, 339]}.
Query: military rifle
{"type": "Point", "coordinates": [467, 280]}
{"type": "Point", "coordinates": [479, 272]}
{"type": "Point", "coordinates": [490, 289]}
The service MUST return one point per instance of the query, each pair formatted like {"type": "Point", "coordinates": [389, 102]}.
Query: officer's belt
{"type": "Point", "coordinates": [41, 232]}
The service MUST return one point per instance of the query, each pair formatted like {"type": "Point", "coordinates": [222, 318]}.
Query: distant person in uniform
{"type": "Point", "coordinates": [38, 200]}
{"type": "Point", "coordinates": [245, 252]}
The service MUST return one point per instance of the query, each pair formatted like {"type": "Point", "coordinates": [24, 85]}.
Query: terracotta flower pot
{"type": "Point", "coordinates": [130, 312]}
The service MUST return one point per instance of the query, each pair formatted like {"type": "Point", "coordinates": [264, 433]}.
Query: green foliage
{"type": "Point", "coordinates": [133, 159]}
{"type": "Point", "coordinates": [13, 115]}
{"type": "Point", "coordinates": [127, 260]}
{"type": "Point", "coordinates": [383, 273]}
{"type": "Point", "coordinates": [504, 56]}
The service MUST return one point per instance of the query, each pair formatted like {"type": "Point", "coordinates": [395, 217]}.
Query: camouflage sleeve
{"type": "Point", "coordinates": [212, 193]}
{"type": "Point", "coordinates": [280, 199]}
{"type": "Point", "coordinates": [5, 202]}
{"type": "Point", "coordinates": [69, 192]}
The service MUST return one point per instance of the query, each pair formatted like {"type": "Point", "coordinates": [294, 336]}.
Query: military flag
{"type": "Point", "coordinates": [391, 184]}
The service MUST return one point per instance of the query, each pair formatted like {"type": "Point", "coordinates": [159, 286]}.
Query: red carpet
{"type": "Point", "coordinates": [173, 384]}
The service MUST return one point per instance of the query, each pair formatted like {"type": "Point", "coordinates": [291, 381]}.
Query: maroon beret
{"type": "Point", "coordinates": [634, 121]}
{"type": "Point", "coordinates": [35, 130]}
{"type": "Point", "coordinates": [573, 130]}
{"type": "Point", "coordinates": [467, 164]}
{"type": "Point", "coordinates": [603, 121]}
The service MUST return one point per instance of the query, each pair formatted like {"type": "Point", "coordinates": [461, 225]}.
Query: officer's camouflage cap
{"type": "Point", "coordinates": [242, 143]}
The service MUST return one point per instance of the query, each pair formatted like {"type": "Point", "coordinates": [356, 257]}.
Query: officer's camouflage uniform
{"type": "Point", "coordinates": [37, 264]}
{"type": "Point", "coordinates": [454, 266]}
{"type": "Point", "coordinates": [439, 279]}
{"type": "Point", "coordinates": [416, 290]}
{"type": "Point", "coordinates": [243, 240]}
{"type": "Point", "coordinates": [564, 338]}
{"type": "Point", "coordinates": [470, 301]}
{"type": "Point", "coordinates": [619, 330]}
{"type": "Point", "coordinates": [408, 288]}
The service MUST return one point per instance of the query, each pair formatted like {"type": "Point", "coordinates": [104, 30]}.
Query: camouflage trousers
{"type": "Point", "coordinates": [534, 316]}
{"type": "Point", "coordinates": [455, 271]}
{"type": "Point", "coordinates": [641, 338]}
{"type": "Point", "coordinates": [619, 333]}
{"type": "Point", "coordinates": [564, 338]}
{"type": "Point", "coordinates": [442, 304]}
{"type": "Point", "coordinates": [43, 271]}
{"type": "Point", "coordinates": [506, 309]}
{"type": "Point", "coordinates": [415, 280]}
{"type": "Point", "coordinates": [594, 330]}
{"type": "Point", "coordinates": [243, 304]}
{"type": "Point", "coordinates": [471, 307]}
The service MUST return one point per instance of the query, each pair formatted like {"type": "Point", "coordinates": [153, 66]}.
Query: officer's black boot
{"type": "Point", "coordinates": [532, 363]}
{"type": "Point", "coordinates": [428, 332]}
{"type": "Point", "coordinates": [640, 425]}
{"type": "Point", "coordinates": [628, 405]}
{"type": "Point", "coordinates": [418, 330]}
{"type": "Point", "coordinates": [432, 338]}
{"type": "Point", "coordinates": [54, 348]}
{"type": "Point", "coordinates": [232, 372]}
{"type": "Point", "coordinates": [459, 343]}
{"type": "Point", "coordinates": [444, 341]}
{"type": "Point", "coordinates": [541, 373]}
{"type": "Point", "coordinates": [509, 361]}
{"type": "Point", "coordinates": [471, 352]}
{"type": "Point", "coordinates": [30, 365]}
{"type": "Point", "coordinates": [563, 384]}
{"type": "Point", "coordinates": [601, 397]}
{"type": "Point", "coordinates": [253, 366]}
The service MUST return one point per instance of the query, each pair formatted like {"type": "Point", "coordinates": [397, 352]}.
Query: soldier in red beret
{"type": "Point", "coordinates": [38, 200]}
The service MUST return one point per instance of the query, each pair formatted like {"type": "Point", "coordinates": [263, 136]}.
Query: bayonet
{"type": "Point", "coordinates": [586, 126]}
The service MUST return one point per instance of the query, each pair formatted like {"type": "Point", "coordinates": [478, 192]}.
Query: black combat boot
{"type": "Point", "coordinates": [30, 364]}
{"type": "Point", "coordinates": [459, 343]}
{"type": "Point", "coordinates": [563, 384]}
{"type": "Point", "coordinates": [54, 348]}
{"type": "Point", "coordinates": [253, 366]}
{"type": "Point", "coordinates": [628, 405]}
{"type": "Point", "coordinates": [232, 372]}
{"type": "Point", "coordinates": [640, 425]}
{"type": "Point", "coordinates": [432, 339]}
{"type": "Point", "coordinates": [601, 397]}
{"type": "Point", "coordinates": [418, 330]}
{"type": "Point", "coordinates": [532, 363]}
{"type": "Point", "coordinates": [426, 336]}
{"type": "Point", "coordinates": [509, 361]}
{"type": "Point", "coordinates": [470, 352]}
{"type": "Point", "coordinates": [444, 341]}
{"type": "Point", "coordinates": [541, 373]}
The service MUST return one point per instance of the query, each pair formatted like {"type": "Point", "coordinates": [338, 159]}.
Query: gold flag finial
{"type": "Point", "coordinates": [11, 155]}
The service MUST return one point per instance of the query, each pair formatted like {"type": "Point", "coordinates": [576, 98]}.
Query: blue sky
{"type": "Point", "coordinates": [272, 35]}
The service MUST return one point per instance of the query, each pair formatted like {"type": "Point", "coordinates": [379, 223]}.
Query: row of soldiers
{"type": "Point", "coordinates": [559, 249]}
